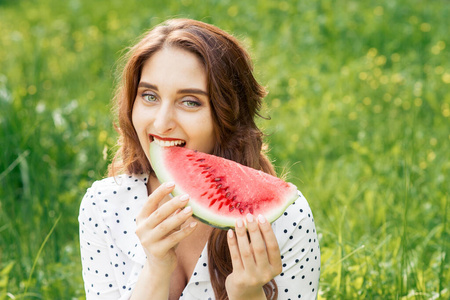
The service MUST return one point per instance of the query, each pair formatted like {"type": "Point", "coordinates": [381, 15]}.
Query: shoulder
{"type": "Point", "coordinates": [300, 251]}
{"type": "Point", "coordinates": [296, 223]}
{"type": "Point", "coordinates": [120, 183]}
{"type": "Point", "coordinates": [113, 191]}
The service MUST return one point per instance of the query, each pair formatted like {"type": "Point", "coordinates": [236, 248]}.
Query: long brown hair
{"type": "Point", "coordinates": [235, 97]}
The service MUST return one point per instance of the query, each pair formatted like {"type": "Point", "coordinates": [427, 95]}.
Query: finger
{"type": "Point", "coordinates": [176, 237]}
{"type": "Point", "coordinates": [234, 251]}
{"type": "Point", "coordinates": [273, 250]}
{"type": "Point", "coordinates": [258, 245]}
{"type": "Point", "coordinates": [244, 247]}
{"type": "Point", "coordinates": [154, 199]}
{"type": "Point", "coordinates": [167, 209]}
{"type": "Point", "coordinates": [172, 223]}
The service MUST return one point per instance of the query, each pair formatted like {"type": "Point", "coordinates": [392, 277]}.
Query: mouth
{"type": "Point", "coordinates": [167, 142]}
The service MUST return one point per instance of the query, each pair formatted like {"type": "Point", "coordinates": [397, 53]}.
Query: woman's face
{"type": "Point", "coordinates": [172, 105]}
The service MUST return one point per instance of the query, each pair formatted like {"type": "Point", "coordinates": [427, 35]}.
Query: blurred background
{"type": "Point", "coordinates": [359, 100]}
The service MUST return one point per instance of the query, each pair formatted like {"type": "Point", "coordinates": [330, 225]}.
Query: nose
{"type": "Point", "coordinates": [164, 119]}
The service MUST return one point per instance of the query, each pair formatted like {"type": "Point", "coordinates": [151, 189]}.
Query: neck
{"type": "Point", "coordinates": [153, 184]}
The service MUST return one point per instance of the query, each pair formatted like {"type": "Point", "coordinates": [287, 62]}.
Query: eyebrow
{"type": "Point", "coordinates": [182, 91]}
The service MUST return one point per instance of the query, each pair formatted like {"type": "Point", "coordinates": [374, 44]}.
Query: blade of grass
{"type": "Point", "coordinates": [39, 253]}
{"type": "Point", "coordinates": [444, 257]}
{"type": "Point", "coordinates": [17, 161]}
{"type": "Point", "coordinates": [342, 259]}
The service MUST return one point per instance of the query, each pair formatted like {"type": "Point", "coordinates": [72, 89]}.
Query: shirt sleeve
{"type": "Point", "coordinates": [98, 271]}
{"type": "Point", "coordinates": [300, 252]}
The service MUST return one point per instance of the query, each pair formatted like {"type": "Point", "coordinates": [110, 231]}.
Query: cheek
{"type": "Point", "coordinates": [209, 135]}
{"type": "Point", "coordinates": [137, 119]}
{"type": "Point", "coordinates": [139, 126]}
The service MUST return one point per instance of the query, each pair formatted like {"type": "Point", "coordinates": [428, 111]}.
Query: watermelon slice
{"type": "Point", "coordinates": [221, 190]}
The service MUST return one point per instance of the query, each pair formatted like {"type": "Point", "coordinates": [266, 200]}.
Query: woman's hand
{"type": "Point", "coordinates": [159, 227]}
{"type": "Point", "coordinates": [255, 262]}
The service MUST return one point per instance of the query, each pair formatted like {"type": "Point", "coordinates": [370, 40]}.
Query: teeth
{"type": "Point", "coordinates": [167, 143]}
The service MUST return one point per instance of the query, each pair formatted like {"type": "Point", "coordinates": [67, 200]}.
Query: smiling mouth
{"type": "Point", "coordinates": [167, 142]}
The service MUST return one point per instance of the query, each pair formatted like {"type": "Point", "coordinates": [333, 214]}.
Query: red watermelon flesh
{"type": "Point", "coordinates": [221, 190]}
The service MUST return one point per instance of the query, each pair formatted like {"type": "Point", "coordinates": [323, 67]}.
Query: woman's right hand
{"type": "Point", "coordinates": [159, 227]}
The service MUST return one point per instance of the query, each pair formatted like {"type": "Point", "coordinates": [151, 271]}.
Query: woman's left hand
{"type": "Point", "coordinates": [255, 262]}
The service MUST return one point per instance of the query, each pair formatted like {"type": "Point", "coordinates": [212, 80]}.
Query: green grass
{"type": "Point", "coordinates": [360, 115]}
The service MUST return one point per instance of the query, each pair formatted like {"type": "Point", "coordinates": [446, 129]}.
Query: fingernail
{"type": "Point", "coordinates": [230, 233]}
{"type": "Point", "coordinates": [193, 224]}
{"type": "Point", "coordinates": [239, 223]}
{"type": "Point", "coordinates": [261, 219]}
{"type": "Point", "coordinates": [170, 184]}
{"type": "Point", "coordinates": [249, 218]}
{"type": "Point", "coordinates": [184, 198]}
{"type": "Point", "coordinates": [187, 209]}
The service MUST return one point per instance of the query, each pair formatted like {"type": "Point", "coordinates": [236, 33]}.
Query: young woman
{"type": "Point", "coordinates": [189, 84]}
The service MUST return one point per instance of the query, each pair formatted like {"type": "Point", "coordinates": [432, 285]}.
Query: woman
{"type": "Point", "coordinates": [189, 84]}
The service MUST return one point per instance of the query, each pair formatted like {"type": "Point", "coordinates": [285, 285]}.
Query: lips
{"type": "Point", "coordinates": [167, 142]}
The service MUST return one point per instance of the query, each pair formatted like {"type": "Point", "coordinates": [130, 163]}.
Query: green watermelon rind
{"type": "Point", "coordinates": [199, 212]}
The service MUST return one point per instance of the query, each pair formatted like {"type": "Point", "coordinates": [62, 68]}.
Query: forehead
{"type": "Point", "coordinates": [173, 65]}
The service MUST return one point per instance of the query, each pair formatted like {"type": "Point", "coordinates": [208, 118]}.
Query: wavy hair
{"type": "Point", "coordinates": [235, 97]}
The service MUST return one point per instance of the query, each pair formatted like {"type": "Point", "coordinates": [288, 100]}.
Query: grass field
{"type": "Point", "coordinates": [360, 120]}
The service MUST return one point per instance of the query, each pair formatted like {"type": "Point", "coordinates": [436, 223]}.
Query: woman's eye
{"type": "Point", "coordinates": [149, 97]}
{"type": "Point", "coordinates": [191, 103]}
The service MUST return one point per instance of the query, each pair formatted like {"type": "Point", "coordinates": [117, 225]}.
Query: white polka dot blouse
{"type": "Point", "coordinates": [112, 256]}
